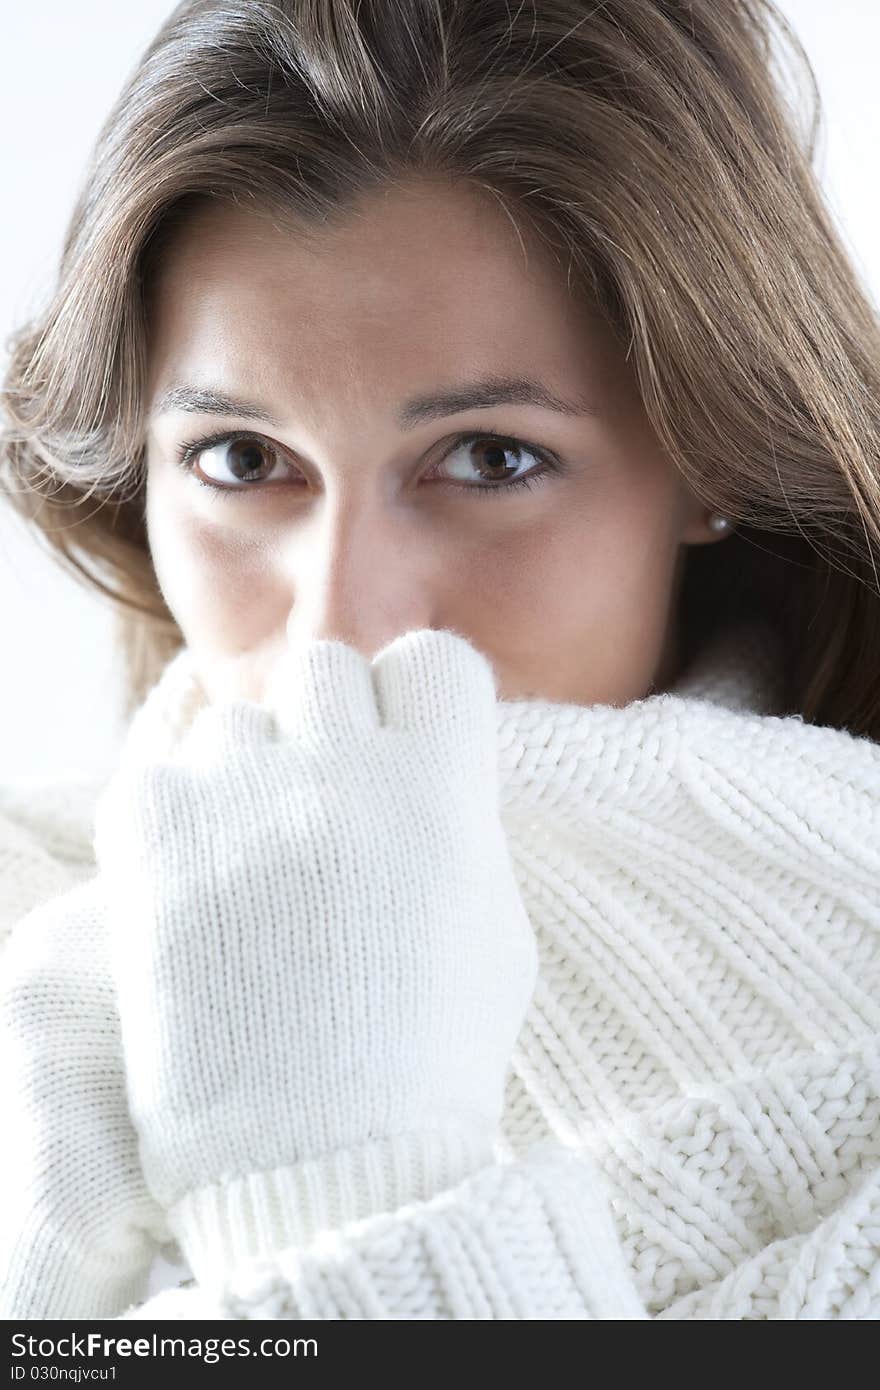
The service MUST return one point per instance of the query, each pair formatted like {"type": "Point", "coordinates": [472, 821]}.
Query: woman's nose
{"type": "Point", "coordinates": [359, 573]}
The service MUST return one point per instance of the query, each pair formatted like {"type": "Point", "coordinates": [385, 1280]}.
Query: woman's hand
{"type": "Point", "coordinates": [321, 954]}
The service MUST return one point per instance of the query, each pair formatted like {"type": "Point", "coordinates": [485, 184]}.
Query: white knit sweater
{"type": "Point", "coordinates": [693, 1103]}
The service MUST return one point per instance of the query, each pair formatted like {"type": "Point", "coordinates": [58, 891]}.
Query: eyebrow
{"type": "Point", "coordinates": [491, 391]}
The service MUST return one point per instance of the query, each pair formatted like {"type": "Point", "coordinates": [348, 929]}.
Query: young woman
{"type": "Point", "coordinates": [483, 920]}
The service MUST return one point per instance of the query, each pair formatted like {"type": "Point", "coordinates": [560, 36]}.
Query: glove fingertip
{"type": "Point", "coordinates": [434, 679]}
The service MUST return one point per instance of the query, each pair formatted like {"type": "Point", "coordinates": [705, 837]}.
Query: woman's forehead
{"type": "Point", "coordinates": [426, 297]}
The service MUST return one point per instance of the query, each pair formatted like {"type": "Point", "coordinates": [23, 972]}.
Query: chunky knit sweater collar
{"type": "Point", "coordinates": [693, 1103]}
{"type": "Point", "coordinates": [736, 671]}
{"type": "Point", "coordinates": [702, 876]}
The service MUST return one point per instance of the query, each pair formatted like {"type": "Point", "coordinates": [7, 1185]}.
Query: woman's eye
{"type": "Point", "coordinates": [493, 463]}
{"type": "Point", "coordinates": [230, 463]}
{"type": "Point", "coordinates": [477, 463]}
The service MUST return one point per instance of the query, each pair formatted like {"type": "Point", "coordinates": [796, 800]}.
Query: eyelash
{"type": "Point", "coordinates": [188, 449]}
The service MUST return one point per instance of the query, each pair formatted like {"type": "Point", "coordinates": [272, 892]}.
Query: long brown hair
{"type": "Point", "coordinates": [651, 146]}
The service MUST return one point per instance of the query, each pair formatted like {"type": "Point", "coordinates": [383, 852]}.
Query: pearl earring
{"type": "Point", "coordinates": [718, 523]}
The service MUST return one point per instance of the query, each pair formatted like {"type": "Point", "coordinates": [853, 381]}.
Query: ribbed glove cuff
{"type": "Point", "coordinates": [262, 1213]}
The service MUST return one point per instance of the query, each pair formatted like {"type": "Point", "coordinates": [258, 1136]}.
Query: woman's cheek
{"type": "Point", "coordinates": [223, 595]}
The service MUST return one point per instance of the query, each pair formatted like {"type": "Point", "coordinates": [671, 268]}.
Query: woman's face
{"type": "Point", "coordinates": [347, 505]}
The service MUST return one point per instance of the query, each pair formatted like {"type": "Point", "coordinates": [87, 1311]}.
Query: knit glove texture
{"type": "Point", "coordinates": [78, 1227]}
{"type": "Point", "coordinates": [320, 952]}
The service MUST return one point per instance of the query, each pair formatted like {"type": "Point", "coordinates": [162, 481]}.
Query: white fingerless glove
{"type": "Point", "coordinates": [321, 954]}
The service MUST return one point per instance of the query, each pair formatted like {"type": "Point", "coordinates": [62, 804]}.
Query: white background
{"type": "Point", "coordinates": [62, 67]}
